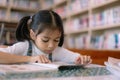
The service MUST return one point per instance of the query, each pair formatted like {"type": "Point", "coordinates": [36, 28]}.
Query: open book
{"type": "Point", "coordinates": [59, 65]}
{"type": "Point", "coordinates": [35, 67]}
{"type": "Point", "coordinates": [113, 65]}
{"type": "Point", "coordinates": [21, 68]}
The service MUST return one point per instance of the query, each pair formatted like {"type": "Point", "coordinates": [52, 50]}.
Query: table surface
{"type": "Point", "coordinates": [87, 73]}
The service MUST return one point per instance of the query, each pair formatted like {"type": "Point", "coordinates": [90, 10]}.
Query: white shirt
{"type": "Point", "coordinates": [59, 54]}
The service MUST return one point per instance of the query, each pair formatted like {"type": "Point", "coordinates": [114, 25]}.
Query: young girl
{"type": "Point", "coordinates": [40, 39]}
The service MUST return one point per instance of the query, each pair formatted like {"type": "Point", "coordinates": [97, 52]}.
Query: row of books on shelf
{"type": "Point", "coordinates": [26, 3]}
{"type": "Point", "coordinates": [49, 3]}
{"type": "Point", "coordinates": [107, 41]}
{"type": "Point", "coordinates": [2, 14]}
{"type": "Point", "coordinates": [78, 42]}
{"type": "Point", "coordinates": [22, 3]}
{"type": "Point", "coordinates": [4, 2]}
{"type": "Point", "coordinates": [8, 37]}
{"type": "Point", "coordinates": [108, 16]}
{"type": "Point", "coordinates": [16, 16]}
{"type": "Point", "coordinates": [81, 4]}
{"type": "Point", "coordinates": [98, 2]}
{"type": "Point", "coordinates": [76, 24]}
{"type": "Point", "coordinates": [62, 11]}
{"type": "Point", "coordinates": [71, 8]}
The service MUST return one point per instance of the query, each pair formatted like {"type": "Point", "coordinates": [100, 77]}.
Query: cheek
{"type": "Point", "coordinates": [40, 44]}
{"type": "Point", "coordinates": [56, 44]}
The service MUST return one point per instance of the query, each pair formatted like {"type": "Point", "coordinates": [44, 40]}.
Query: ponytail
{"type": "Point", "coordinates": [22, 31]}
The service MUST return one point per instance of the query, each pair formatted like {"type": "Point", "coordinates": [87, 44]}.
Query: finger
{"type": "Point", "coordinates": [78, 60]}
{"type": "Point", "coordinates": [42, 59]}
{"type": "Point", "coordinates": [88, 59]}
{"type": "Point", "coordinates": [46, 60]}
{"type": "Point", "coordinates": [85, 59]}
{"type": "Point", "coordinates": [81, 58]}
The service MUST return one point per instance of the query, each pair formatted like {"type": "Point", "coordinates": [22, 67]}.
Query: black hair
{"type": "Point", "coordinates": [38, 22]}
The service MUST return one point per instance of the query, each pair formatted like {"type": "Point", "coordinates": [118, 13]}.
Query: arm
{"type": "Point", "coordinates": [3, 46]}
{"type": "Point", "coordinates": [16, 54]}
{"type": "Point", "coordinates": [6, 58]}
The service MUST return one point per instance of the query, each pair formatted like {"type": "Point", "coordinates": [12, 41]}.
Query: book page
{"type": "Point", "coordinates": [59, 65]}
{"type": "Point", "coordinates": [33, 67]}
{"type": "Point", "coordinates": [6, 68]}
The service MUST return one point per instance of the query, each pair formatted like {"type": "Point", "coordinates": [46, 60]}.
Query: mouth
{"type": "Point", "coordinates": [48, 51]}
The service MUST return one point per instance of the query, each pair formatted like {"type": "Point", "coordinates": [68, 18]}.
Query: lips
{"type": "Point", "coordinates": [48, 51]}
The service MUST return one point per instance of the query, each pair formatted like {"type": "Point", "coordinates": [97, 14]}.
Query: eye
{"type": "Point", "coordinates": [57, 40]}
{"type": "Point", "coordinates": [45, 40]}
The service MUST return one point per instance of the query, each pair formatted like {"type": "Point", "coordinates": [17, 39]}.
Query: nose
{"type": "Point", "coordinates": [51, 45]}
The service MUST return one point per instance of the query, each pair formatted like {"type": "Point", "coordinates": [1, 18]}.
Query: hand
{"type": "Point", "coordinates": [83, 59]}
{"type": "Point", "coordinates": [40, 59]}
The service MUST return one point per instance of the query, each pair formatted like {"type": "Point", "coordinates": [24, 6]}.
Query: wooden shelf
{"type": "Point", "coordinates": [105, 27]}
{"type": "Point", "coordinates": [23, 9]}
{"type": "Point", "coordinates": [103, 4]}
{"type": "Point", "coordinates": [48, 8]}
{"type": "Point", "coordinates": [79, 12]}
{"type": "Point", "coordinates": [84, 30]}
{"type": "Point", "coordinates": [3, 6]}
{"type": "Point", "coordinates": [10, 25]}
{"type": "Point", "coordinates": [3, 20]}
{"type": "Point", "coordinates": [8, 11]}
{"type": "Point", "coordinates": [60, 3]}
{"type": "Point", "coordinates": [9, 7]}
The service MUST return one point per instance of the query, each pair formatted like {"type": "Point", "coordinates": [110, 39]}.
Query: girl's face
{"type": "Point", "coordinates": [48, 40]}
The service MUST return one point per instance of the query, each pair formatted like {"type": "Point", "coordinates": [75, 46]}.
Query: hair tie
{"type": "Point", "coordinates": [30, 17]}
{"type": "Point", "coordinates": [30, 20]}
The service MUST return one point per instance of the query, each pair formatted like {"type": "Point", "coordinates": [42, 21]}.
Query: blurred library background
{"type": "Point", "coordinates": [88, 24]}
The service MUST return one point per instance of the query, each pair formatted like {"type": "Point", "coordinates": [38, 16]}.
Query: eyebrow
{"type": "Point", "coordinates": [49, 37]}
{"type": "Point", "coordinates": [45, 37]}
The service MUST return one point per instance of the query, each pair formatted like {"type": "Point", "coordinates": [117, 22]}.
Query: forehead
{"type": "Point", "coordinates": [51, 32]}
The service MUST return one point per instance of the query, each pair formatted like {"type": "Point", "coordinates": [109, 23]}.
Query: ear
{"type": "Point", "coordinates": [32, 34]}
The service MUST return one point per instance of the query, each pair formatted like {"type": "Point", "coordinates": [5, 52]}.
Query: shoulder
{"type": "Point", "coordinates": [22, 43]}
{"type": "Point", "coordinates": [17, 48]}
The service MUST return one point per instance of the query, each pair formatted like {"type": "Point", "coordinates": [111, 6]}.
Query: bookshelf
{"type": "Point", "coordinates": [89, 24]}
{"type": "Point", "coordinates": [11, 11]}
